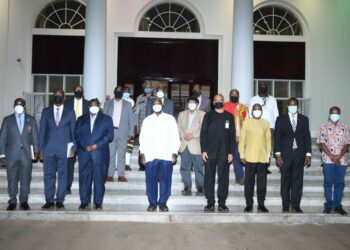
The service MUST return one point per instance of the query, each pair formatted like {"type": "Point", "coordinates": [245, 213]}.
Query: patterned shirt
{"type": "Point", "coordinates": [239, 112]}
{"type": "Point", "coordinates": [335, 137]}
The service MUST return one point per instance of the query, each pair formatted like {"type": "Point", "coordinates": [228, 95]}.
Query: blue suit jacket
{"type": "Point", "coordinates": [54, 139]}
{"type": "Point", "coordinates": [70, 105]}
{"type": "Point", "coordinates": [101, 135]}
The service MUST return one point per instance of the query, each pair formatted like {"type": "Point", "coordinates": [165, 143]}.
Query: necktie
{"type": "Point", "coordinates": [77, 110]}
{"type": "Point", "coordinates": [57, 116]}
{"type": "Point", "coordinates": [20, 125]}
{"type": "Point", "coordinates": [294, 126]}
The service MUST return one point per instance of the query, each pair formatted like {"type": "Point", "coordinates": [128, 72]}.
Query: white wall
{"type": "Point", "coordinates": [3, 49]}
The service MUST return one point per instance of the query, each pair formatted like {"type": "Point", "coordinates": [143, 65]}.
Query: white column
{"type": "Point", "coordinates": [242, 52]}
{"type": "Point", "coordinates": [95, 50]}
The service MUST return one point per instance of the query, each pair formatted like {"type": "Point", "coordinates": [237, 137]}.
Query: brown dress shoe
{"type": "Point", "coordinates": [110, 179]}
{"type": "Point", "coordinates": [122, 179]}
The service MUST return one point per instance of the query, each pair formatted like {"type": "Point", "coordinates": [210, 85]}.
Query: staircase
{"type": "Point", "coordinates": [128, 201]}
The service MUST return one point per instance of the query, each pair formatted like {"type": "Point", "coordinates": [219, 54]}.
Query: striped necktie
{"type": "Point", "coordinates": [294, 126]}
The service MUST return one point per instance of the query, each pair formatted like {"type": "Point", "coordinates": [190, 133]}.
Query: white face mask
{"type": "Point", "coordinates": [293, 109]}
{"type": "Point", "coordinates": [192, 106]}
{"type": "Point", "coordinates": [94, 110]}
{"type": "Point", "coordinates": [334, 117]}
{"type": "Point", "coordinates": [19, 109]}
{"type": "Point", "coordinates": [160, 94]}
{"type": "Point", "coordinates": [157, 108]}
{"type": "Point", "coordinates": [257, 113]}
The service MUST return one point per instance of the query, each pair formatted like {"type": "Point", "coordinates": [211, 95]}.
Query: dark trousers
{"type": "Point", "coordinates": [19, 169]}
{"type": "Point", "coordinates": [88, 172]}
{"type": "Point", "coordinates": [53, 164]}
{"type": "Point", "coordinates": [223, 170]}
{"type": "Point", "coordinates": [70, 178]}
{"type": "Point", "coordinates": [260, 171]}
{"type": "Point", "coordinates": [158, 171]}
{"type": "Point", "coordinates": [292, 175]}
{"type": "Point", "coordinates": [237, 165]}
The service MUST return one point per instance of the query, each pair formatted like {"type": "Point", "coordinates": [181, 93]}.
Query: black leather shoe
{"type": "Point", "coordinates": [262, 209]}
{"type": "Point", "coordinates": [297, 210]}
{"type": "Point", "coordinates": [340, 211]}
{"type": "Point", "coordinates": [151, 208]}
{"type": "Point", "coordinates": [48, 205]}
{"type": "Point", "coordinates": [209, 208]}
{"type": "Point", "coordinates": [98, 207]}
{"type": "Point", "coordinates": [11, 207]}
{"type": "Point", "coordinates": [186, 192]}
{"type": "Point", "coordinates": [223, 208]}
{"type": "Point", "coordinates": [248, 209]}
{"type": "Point", "coordinates": [285, 210]}
{"type": "Point", "coordinates": [69, 192]}
{"type": "Point", "coordinates": [59, 205]}
{"type": "Point", "coordinates": [141, 168]}
{"type": "Point", "coordinates": [25, 206]}
{"type": "Point", "coordinates": [163, 208]}
{"type": "Point", "coordinates": [327, 210]}
{"type": "Point", "coordinates": [200, 192]}
{"type": "Point", "coordinates": [128, 168]}
{"type": "Point", "coordinates": [83, 207]}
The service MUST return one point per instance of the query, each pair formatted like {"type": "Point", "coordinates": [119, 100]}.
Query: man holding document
{"type": "Point", "coordinates": [56, 145]}
{"type": "Point", "coordinates": [19, 145]}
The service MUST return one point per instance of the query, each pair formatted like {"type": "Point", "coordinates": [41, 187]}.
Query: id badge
{"type": "Point", "coordinates": [227, 124]}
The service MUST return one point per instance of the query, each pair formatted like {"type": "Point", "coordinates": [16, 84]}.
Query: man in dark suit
{"type": "Point", "coordinates": [19, 145]}
{"type": "Point", "coordinates": [56, 144]}
{"type": "Point", "coordinates": [80, 106]}
{"type": "Point", "coordinates": [292, 146]}
{"type": "Point", "coordinates": [167, 104]}
{"type": "Point", "coordinates": [93, 133]}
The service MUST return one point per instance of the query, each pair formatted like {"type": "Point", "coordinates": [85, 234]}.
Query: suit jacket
{"type": "Point", "coordinates": [127, 120]}
{"type": "Point", "coordinates": [101, 135]}
{"type": "Point", "coordinates": [12, 141]}
{"type": "Point", "coordinates": [70, 105]}
{"type": "Point", "coordinates": [54, 139]}
{"type": "Point", "coordinates": [168, 107]}
{"type": "Point", "coordinates": [284, 136]}
{"type": "Point", "coordinates": [205, 104]}
{"type": "Point", "coordinates": [193, 145]}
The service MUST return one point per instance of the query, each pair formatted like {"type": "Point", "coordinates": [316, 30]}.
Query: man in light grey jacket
{"type": "Point", "coordinates": [123, 123]}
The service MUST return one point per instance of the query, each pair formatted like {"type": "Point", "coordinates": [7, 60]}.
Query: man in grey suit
{"type": "Point", "coordinates": [204, 102]}
{"type": "Point", "coordinates": [19, 145]}
{"type": "Point", "coordinates": [123, 123]}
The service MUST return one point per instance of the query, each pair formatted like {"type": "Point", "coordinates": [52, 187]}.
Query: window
{"type": "Point", "coordinates": [62, 14]}
{"type": "Point", "coordinates": [276, 20]}
{"type": "Point", "coordinates": [169, 17]}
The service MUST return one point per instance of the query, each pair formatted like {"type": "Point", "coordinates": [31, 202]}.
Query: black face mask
{"type": "Point", "coordinates": [118, 94]}
{"type": "Point", "coordinates": [78, 94]}
{"type": "Point", "coordinates": [57, 99]}
{"type": "Point", "coordinates": [219, 105]}
{"type": "Point", "coordinates": [196, 93]}
{"type": "Point", "coordinates": [234, 99]}
{"type": "Point", "coordinates": [263, 91]}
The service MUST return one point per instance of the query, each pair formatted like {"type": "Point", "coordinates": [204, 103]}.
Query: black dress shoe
{"type": "Point", "coordinates": [25, 206]}
{"type": "Point", "coordinates": [262, 209]}
{"type": "Point", "coordinates": [163, 208]}
{"type": "Point", "coordinates": [248, 209]}
{"type": "Point", "coordinates": [285, 210]}
{"type": "Point", "coordinates": [11, 207]}
{"type": "Point", "coordinates": [340, 211]}
{"type": "Point", "coordinates": [151, 208]}
{"type": "Point", "coordinates": [48, 205]}
{"type": "Point", "coordinates": [127, 168]}
{"type": "Point", "coordinates": [69, 191]}
{"type": "Point", "coordinates": [59, 205]}
{"type": "Point", "coordinates": [98, 207]}
{"type": "Point", "coordinates": [186, 192]}
{"type": "Point", "coordinates": [223, 208]}
{"type": "Point", "coordinates": [141, 168]}
{"type": "Point", "coordinates": [200, 192]}
{"type": "Point", "coordinates": [327, 210]}
{"type": "Point", "coordinates": [209, 208]}
{"type": "Point", "coordinates": [297, 210]}
{"type": "Point", "coordinates": [83, 207]}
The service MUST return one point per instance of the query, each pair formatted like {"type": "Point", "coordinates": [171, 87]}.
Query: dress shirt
{"type": "Point", "coordinates": [60, 110]}
{"type": "Point", "coordinates": [190, 119]}
{"type": "Point", "coordinates": [79, 112]}
{"type": "Point", "coordinates": [255, 141]}
{"type": "Point", "coordinates": [20, 122]}
{"type": "Point", "coordinates": [159, 137]}
{"type": "Point", "coordinates": [269, 106]}
{"type": "Point", "coordinates": [92, 122]}
{"type": "Point", "coordinates": [117, 112]}
{"type": "Point", "coordinates": [199, 101]}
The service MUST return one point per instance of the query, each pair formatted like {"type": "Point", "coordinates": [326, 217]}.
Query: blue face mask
{"type": "Point", "coordinates": [292, 109]}
{"type": "Point", "coordinates": [126, 95]}
{"type": "Point", "coordinates": [334, 117]}
{"type": "Point", "coordinates": [148, 90]}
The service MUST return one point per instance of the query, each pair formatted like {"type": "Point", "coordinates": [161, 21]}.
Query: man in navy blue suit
{"type": "Point", "coordinates": [56, 144]}
{"type": "Point", "coordinates": [80, 106]}
{"type": "Point", "coordinates": [93, 133]}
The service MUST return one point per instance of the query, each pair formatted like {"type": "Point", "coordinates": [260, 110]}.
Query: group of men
{"type": "Point", "coordinates": [207, 139]}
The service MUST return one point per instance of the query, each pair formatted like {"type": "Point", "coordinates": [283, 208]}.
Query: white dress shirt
{"type": "Point", "coordinates": [199, 101]}
{"type": "Point", "coordinates": [60, 110]}
{"type": "Point", "coordinates": [270, 109]}
{"type": "Point", "coordinates": [190, 119]}
{"type": "Point", "coordinates": [92, 122]}
{"type": "Point", "coordinates": [117, 112]}
{"type": "Point", "coordinates": [159, 137]}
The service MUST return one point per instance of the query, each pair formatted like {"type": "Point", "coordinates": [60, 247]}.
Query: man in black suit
{"type": "Point", "coordinates": [292, 146]}
{"type": "Point", "coordinates": [80, 106]}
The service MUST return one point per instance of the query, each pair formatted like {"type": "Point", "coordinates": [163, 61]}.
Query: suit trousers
{"type": "Point", "coordinates": [223, 170]}
{"type": "Point", "coordinates": [88, 172]}
{"type": "Point", "coordinates": [237, 165]}
{"type": "Point", "coordinates": [260, 171]}
{"type": "Point", "coordinates": [19, 169]}
{"type": "Point", "coordinates": [185, 169]}
{"type": "Point", "coordinates": [70, 178]}
{"type": "Point", "coordinates": [56, 163]}
{"type": "Point", "coordinates": [158, 171]}
{"type": "Point", "coordinates": [117, 149]}
{"type": "Point", "coordinates": [292, 175]}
